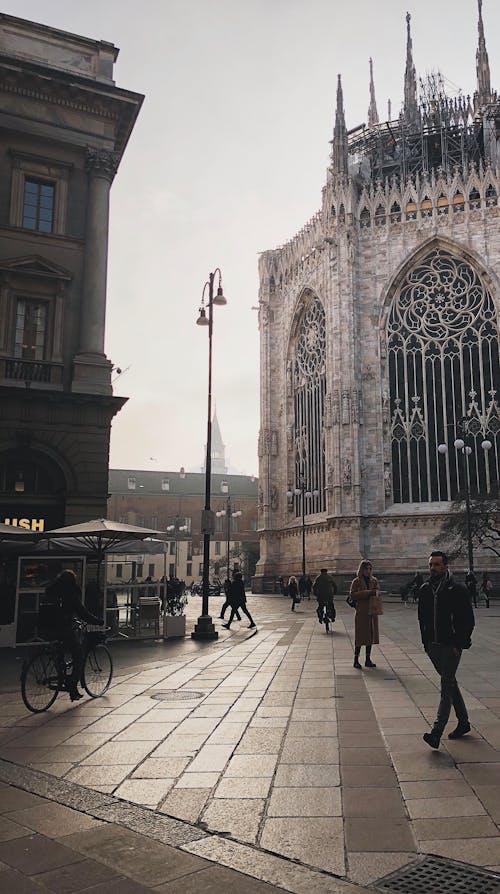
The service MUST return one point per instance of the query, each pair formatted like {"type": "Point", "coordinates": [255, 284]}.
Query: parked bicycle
{"type": "Point", "coordinates": [45, 674]}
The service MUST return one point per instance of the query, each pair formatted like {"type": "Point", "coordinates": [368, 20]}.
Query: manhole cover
{"type": "Point", "coordinates": [436, 876]}
{"type": "Point", "coordinates": [176, 695]}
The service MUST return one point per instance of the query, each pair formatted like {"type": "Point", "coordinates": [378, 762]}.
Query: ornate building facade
{"type": "Point", "coordinates": [64, 126]}
{"type": "Point", "coordinates": [379, 329]}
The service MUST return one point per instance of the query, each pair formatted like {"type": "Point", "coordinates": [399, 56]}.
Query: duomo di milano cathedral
{"type": "Point", "coordinates": [379, 329]}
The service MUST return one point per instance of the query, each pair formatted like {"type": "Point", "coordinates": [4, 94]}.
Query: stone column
{"type": "Point", "coordinates": [92, 370]}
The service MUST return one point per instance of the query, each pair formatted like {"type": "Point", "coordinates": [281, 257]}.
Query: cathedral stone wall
{"type": "Point", "coordinates": [353, 256]}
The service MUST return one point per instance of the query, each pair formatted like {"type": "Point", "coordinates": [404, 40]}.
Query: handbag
{"type": "Point", "coordinates": [375, 606]}
{"type": "Point", "coordinates": [350, 601]}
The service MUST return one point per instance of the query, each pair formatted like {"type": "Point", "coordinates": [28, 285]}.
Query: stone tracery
{"type": "Point", "coordinates": [443, 365]}
{"type": "Point", "coordinates": [309, 399]}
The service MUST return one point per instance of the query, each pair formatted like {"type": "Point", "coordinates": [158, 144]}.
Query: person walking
{"type": "Point", "coordinates": [324, 588]}
{"type": "Point", "coordinates": [366, 632]}
{"type": "Point", "coordinates": [227, 603]}
{"type": "Point", "coordinates": [471, 584]}
{"type": "Point", "coordinates": [486, 588]}
{"type": "Point", "coordinates": [416, 583]}
{"type": "Point", "coordinates": [303, 586]}
{"type": "Point", "coordinates": [238, 600]}
{"type": "Point", "coordinates": [293, 591]}
{"type": "Point", "coordinates": [446, 623]}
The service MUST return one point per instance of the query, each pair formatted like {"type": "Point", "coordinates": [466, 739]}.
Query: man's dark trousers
{"type": "Point", "coordinates": [446, 660]}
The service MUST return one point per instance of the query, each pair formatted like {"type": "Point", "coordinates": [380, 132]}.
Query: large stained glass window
{"type": "Point", "coordinates": [309, 387]}
{"type": "Point", "coordinates": [443, 367]}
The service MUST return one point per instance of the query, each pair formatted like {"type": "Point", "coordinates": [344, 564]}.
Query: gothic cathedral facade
{"type": "Point", "coordinates": [379, 327]}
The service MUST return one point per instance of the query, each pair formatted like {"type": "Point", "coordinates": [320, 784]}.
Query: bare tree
{"type": "Point", "coordinates": [484, 524]}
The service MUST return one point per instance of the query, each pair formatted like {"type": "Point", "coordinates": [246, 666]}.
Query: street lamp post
{"type": "Point", "coordinates": [204, 628]}
{"type": "Point", "coordinates": [229, 515]}
{"type": "Point", "coordinates": [181, 529]}
{"type": "Point", "coordinates": [464, 450]}
{"type": "Point", "coordinates": [304, 493]}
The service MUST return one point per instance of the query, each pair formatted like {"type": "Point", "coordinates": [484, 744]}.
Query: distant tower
{"type": "Point", "coordinates": [218, 452]}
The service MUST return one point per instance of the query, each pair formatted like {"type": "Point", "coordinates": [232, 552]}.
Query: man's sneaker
{"type": "Point", "coordinates": [461, 730]}
{"type": "Point", "coordinates": [433, 739]}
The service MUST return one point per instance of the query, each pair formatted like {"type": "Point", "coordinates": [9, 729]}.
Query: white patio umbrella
{"type": "Point", "coordinates": [98, 536]}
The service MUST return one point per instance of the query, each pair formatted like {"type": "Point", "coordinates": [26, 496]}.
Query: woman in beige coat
{"type": "Point", "coordinates": [365, 625]}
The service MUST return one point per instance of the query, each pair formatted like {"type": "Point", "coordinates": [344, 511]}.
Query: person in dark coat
{"type": "Point", "coordinates": [227, 603]}
{"type": "Point", "coordinates": [65, 595]}
{"type": "Point", "coordinates": [293, 591]}
{"type": "Point", "coordinates": [446, 624]}
{"type": "Point", "coordinates": [416, 583]}
{"type": "Point", "coordinates": [238, 600]}
{"type": "Point", "coordinates": [471, 584]}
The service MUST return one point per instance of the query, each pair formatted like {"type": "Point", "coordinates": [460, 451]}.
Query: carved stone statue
{"type": "Point", "coordinates": [347, 473]}
{"type": "Point", "coordinates": [385, 406]}
{"type": "Point", "coordinates": [275, 499]}
{"type": "Point", "coordinates": [387, 481]}
{"type": "Point", "coordinates": [346, 416]}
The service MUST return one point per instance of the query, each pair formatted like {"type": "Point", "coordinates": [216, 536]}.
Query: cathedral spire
{"type": "Point", "coordinates": [482, 63]}
{"type": "Point", "coordinates": [339, 152]}
{"type": "Point", "coordinates": [218, 453]}
{"type": "Point", "coordinates": [410, 101]}
{"type": "Point", "coordinates": [372, 109]}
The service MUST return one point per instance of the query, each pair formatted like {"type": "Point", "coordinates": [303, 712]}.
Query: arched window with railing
{"type": "Point", "coordinates": [309, 390]}
{"type": "Point", "coordinates": [443, 366]}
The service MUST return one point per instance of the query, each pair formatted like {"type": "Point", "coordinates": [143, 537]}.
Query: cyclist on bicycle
{"type": "Point", "coordinates": [325, 589]}
{"type": "Point", "coordinates": [65, 595]}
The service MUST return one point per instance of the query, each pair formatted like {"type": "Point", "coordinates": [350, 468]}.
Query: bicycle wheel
{"type": "Point", "coordinates": [97, 670]}
{"type": "Point", "coordinates": [40, 683]}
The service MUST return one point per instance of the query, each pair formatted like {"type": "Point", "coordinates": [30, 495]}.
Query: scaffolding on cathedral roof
{"type": "Point", "coordinates": [435, 130]}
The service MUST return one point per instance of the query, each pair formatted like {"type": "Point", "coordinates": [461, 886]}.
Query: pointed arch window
{"type": "Point", "coordinates": [442, 204]}
{"type": "Point", "coordinates": [426, 207]}
{"type": "Point", "coordinates": [411, 210]}
{"type": "Point", "coordinates": [491, 196]}
{"type": "Point", "coordinates": [443, 365]}
{"type": "Point", "coordinates": [364, 218]}
{"type": "Point", "coordinates": [474, 199]}
{"type": "Point", "coordinates": [309, 389]}
{"type": "Point", "coordinates": [380, 216]}
{"type": "Point", "coordinates": [395, 213]}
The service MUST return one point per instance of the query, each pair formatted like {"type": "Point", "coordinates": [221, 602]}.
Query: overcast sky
{"type": "Point", "coordinates": [228, 159]}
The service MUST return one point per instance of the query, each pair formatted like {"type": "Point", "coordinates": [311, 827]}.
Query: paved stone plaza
{"type": "Point", "coordinates": [272, 757]}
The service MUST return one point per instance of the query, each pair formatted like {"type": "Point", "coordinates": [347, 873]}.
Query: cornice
{"type": "Point", "coordinates": [54, 88]}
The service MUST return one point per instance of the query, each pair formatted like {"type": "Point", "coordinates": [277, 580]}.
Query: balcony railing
{"type": "Point", "coordinates": [29, 371]}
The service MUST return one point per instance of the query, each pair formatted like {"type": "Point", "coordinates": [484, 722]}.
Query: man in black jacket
{"type": "Point", "coordinates": [65, 596]}
{"type": "Point", "coordinates": [446, 624]}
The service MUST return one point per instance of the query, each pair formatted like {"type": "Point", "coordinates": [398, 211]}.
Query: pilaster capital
{"type": "Point", "coordinates": [102, 163]}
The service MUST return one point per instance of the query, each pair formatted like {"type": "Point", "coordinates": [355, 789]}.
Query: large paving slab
{"type": "Point", "coordinates": [276, 744]}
